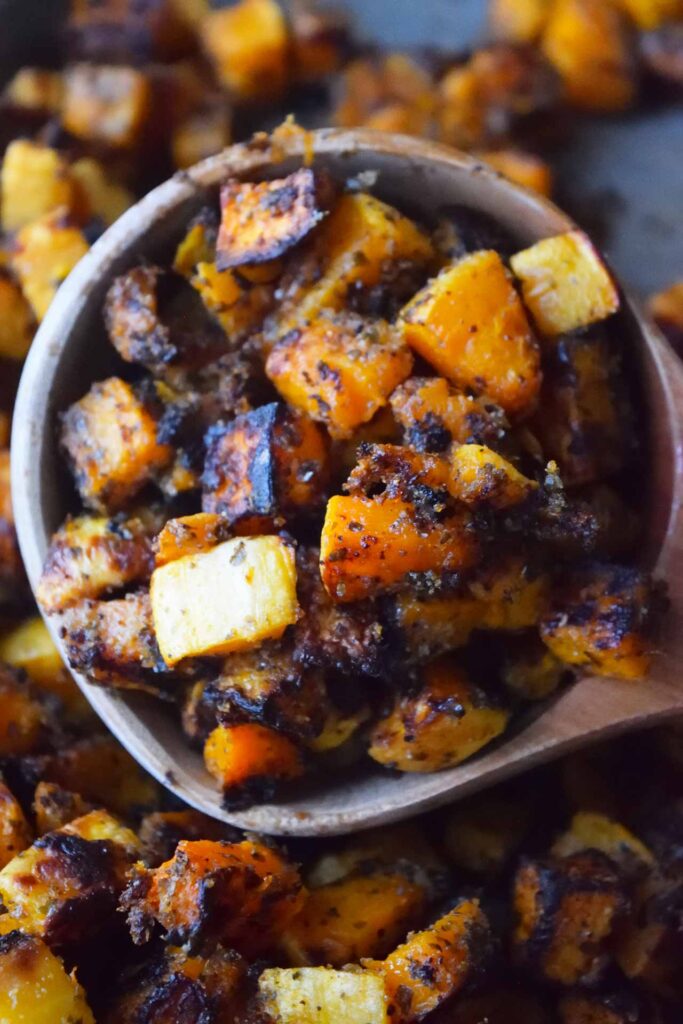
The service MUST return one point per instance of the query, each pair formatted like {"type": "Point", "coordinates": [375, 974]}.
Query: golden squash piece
{"type": "Point", "coordinates": [23, 716]}
{"type": "Point", "coordinates": [565, 283]}
{"type": "Point", "coordinates": [46, 252]}
{"type": "Point", "coordinates": [110, 438]}
{"type": "Point", "coordinates": [566, 911]}
{"type": "Point", "coordinates": [238, 306]}
{"type": "Point", "coordinates": [105, 199]}
{"type": "Point", "coordinates": [322, 995]}
{"type": "Point", "coordinates": [261, 221]}
{"type": "Point", "coordinates": [248, 45]}
{"type": "Point", "coordinates": [469, 323]}
{"type": "Point", "coordinates": [198, 244]}
{"type": "Point", "coordinates": [250, 761]}
{"type": "Point", "coordinates": [65, 886]}
{"type": "Point", "coordinates": [371, 545]}
{"type": "Point", "coordinates": [522, 168]}
{"type": "Point", "coordinates": [519, 21]}
{"type": "Point", "coordinates": [16, 321]}
{"type": "Point", "coordinates": [15, 831]}
{"type": "Point", "coordinates": [482, 477]}
{"type": "Point", "coordinates": [34, 181]}
{"type": "Point", "coordinates": [231, 598]}
{"type": "Point", "coordinates": [434, 414]}
{"type": "Point", "coordinates": [190, 535]}
{"type": "Point", "coordinates": [360, 916]}
{"type": "Point", "coordinates": [36, 89]}
{"type": "Point", "coordinates": [339, 369]}
{"type": "Point", "coordinates": [106, 104]}
{"type": "Point", "coordinates": [36, 988]}
{"type": "Point", "coordinates": [589, 830]}
{"type": "Point", "coordinates": [55, 807]}
{"type": "Point", "coordinates": [92, 555]}
{"type": "Point", "coordinates": [602, 620]}
{"type": "Point", "coordinates": [587, 42]}
{"type": "Point", "coordinates": [255, 894]}
{"type": "Point", "coordinates": [391, 92]}
{"type": "Point", "coordinates": [434, 964]}
{"type": "Point", "coordinates": [448, 720]}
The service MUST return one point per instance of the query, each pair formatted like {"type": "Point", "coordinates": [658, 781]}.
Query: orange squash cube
{"type": "Point", "coordinates": [522, 168]}
{"type": "Point", "coordinates": [470, 324]}
{"type": "Point", "coordinates": [249, 760]}
{"type": "Point", "coordinates": [106, 104]}
{"type": "Point", "coordinates": [47, 251]}
{"type": "Point", "coordinates": [248, 45]}
{"type": "Point", "coordinates": [482, 477]}
{"type": "Point", "coordinates": [189, 535]}
{"type": "Point", "coordinates": [434, 414]}
{"type": "Point", "coordinates": [565, 283]}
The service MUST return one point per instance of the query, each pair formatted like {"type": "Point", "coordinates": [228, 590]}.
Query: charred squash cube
{"type": "Point", "coordinates": [46, 252]}
{"type": "Point", "coordinates": [110, 438]}
{"type": "Point", "coordinates": [55, 807]}
{"type": "Point", "coordinates": [264, 466]}
{"type": "Point", "coordinates": [322, 995]}
{"type": "Point", "coordinates": [248, 45]}
{"type": "Point", "coordinates": [446, 721]}
{"type": "Point", "coordinates": [434, 414]}
{"type": "Point", "coordinates": [339, 369]}
{"type": "Point", "coordinates": [251, 761]}
{"type": "Point", "coordinates": [469, 323]}
{"type": "Point", "coordinates": [36, 987]}
{"type": "Point", "coordinates": [161, 831]}
{"type": "Point", "coordinates": [567, 910]}
{"type": "Point", "coordinates": [602, 620]}
{"type": "Point", "coordinates": [238, 305]}
{"type": "Point", "coordinates": [262, 221]}
{"type": "Point", "coordinates": [481, 477]}
{"type": "Point", "coordinates": [106, 104]}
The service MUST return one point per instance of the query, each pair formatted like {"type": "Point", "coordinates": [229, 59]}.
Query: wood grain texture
{"type": "Point", "coordinates": [71, 350]}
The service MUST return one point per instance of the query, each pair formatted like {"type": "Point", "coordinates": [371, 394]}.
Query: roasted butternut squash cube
{"type": "Point", "coordinates": [482, 477]}
{"type": "Point", "coordinates": [520, 21]}
{"type": "Point", "coordinates": [105, 198]}
{"type": "Point", "coordinates": [92, 555]}
{"type": "Point", "coordinates": [237, 305]}
{"type": "Point", "coordinates": [589, 830]}
{"type": "Point", "coordinates": [587, 42]}
{"type": "Point", "coordinates": [566, 912]}
{"type": "Point", "coordinates": [36, 89]}
{"type": "Point", "coordinates": [250, 761]}
{"type": "Point", "coordinates": [34, 181]}
{"type": "Point", "coordinates": [106, 104]}
{"type": "Point", "coordinates": [565, 283]}
{"type": "Point", "coordinates": [261, 221]}
{"type": "Point", "coordinates": [190, 535]}
{"type": "Point", "coordinates": [65, 886]}
{"type": "Point", "coordinates": [46, 252]}
{"type": "Point", "coordinates": [434, 414]}
{"type": "Point", "coordinates": [255, 893]}
{"type": "Point", "coordinates": [110, 438]}
{"type": "Point", "coordinates": [522, 168]}
{"type": "Point", "coordinates": [15, 832]}
{"type": "Point", "coordinates": [361, 916]}
{"type": "Point", "coordinates": [248, 46]}
{"type": "Point", "coordinates": [339, 369]}
{"type": "Point", "coordinates": [602, 620]}
{"type": "Point", "coordinates": [29, 646]}
{"type": "Point", "coordinates": [54, 807]}
{"type": "Point", "coordinates": [469, 323]}
{"type": "Point", "coordinates": [322, 995]}
{"type": "Point", "coordinates": [23, 716]}
{"type": "Point", "coordinates": [356, 247]}
{"type": "Point", "coordinates": [36, 988]}
{"type": "Point", "coordinates": [198, 245]}
{"type": "Point", "coordinates": [16, 321]}
{"type": "Point", "coordinates": [369, 545]}
{"type": "Point", "coordinates": [434, 964]}
{"type": "Point", "coordinates": [443, 724]}
{"type": "Point", "coordinates": [257, 578]}
{"type": "Point", "coordinates": [264, 466]}
{"type": "Point", "coordinates": [161, 831]}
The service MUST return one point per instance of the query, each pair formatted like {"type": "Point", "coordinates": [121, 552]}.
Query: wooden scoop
{"type": "Point", "coordinates": [71, 350]}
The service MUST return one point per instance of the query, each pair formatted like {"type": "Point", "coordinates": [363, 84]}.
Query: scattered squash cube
{"type": "Point", "coordinates": [250, 761]}
{"type": "Point", "coordinates": [469, 323]}
{"type": "Point", "coordinates": [16, 321]}
{"type": "Point", "coordinates": [565, 283]}
{"type": "Point", "coordinates": [36, 988]}
{"type": "Point", "coordinates": [322, 995]}
{"type": "Point", "coordinates": [29, 646]}
{"type": "Point", "coordinates": [34, 181]}
{"type": "Point", "coordinates": [231, 598]}
{"type": "Point", "coordinates": [36, 89]}
{"type": "Point", "coordinates": [482, 477]}
{"type": "Point", "coordinates": [248, 45]}
{"type": "Point", "coordinates": [110, 438]}
{"type": "Point", "coordinates": [54, 807]}
{"type": "Point", "coordinates": [46, 252]}
{"type": "Point", "coordinates": [339, 369]}
{"type": "Point", "coordinates": [106, 104]}
{"type": "Point", "coordinates": [522, 168]}
{"type": "Point", "coordinates": [443, 724]}
{"type": "Point", "coordinates": [435, 414]}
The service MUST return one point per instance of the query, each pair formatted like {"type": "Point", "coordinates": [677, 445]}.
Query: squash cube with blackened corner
{"type": "Point", "coordinates": [322, 995]}
{"type": "Point", "coordinates": [565, 283]}
{"type": "Point", "coordinates": [106, 104]}
{"type": "Point", "coordinates": [567, 910]}
{"type": "Point", "coordinates": [54, 807]}
{"type": "Point", "coordinates": [17, 325]}
{"type": "Point", "coordinates": [434, 964]}
{"type": "Point", "coordinates": [261, 221]}
{"type": "Point", "coordinates": [434, 414]}
{"type": "Point", "coordinates": [46, 252]}
{"type": "Point", "coordinates": [603, 619]}
{"type": "Point", "coordinates": [161, 831]}
{"type": "Point", "coordinates": [231, 598]}
{"type": "Point", "coordinates": [255, 894]}
{"type": "Point", "coordinates": [481, 477]}
{"type": "Point", "coordinates": [110, 439]}
{"type": "Point", "coordinates": [251, 762]}
{"type": "Point", "coordinates": [89, 556]}
{"type": "Point", "coordinates": [189, 535]}
{"type": "Point", "coordinates": [35, 181]}
{"type": "Point", "coordinates": [370, 545]}
{"type": "Point", "coordinates": [15, 831]}
{"type": "Point", "coordinates": [267, 464]}
{"type": "Point", "coordinates": [36, 987]}
{"type": "Point", "coordinates": [590, 830]}
{"type": "Point", "coordinates": [248, 45]}
{"type": "Point", "coordinates": [65, 887]}
{"type": "Point", "coordinates": [469, 323]}
{"type": "Point", "coordinates": [446, 721]}
{"type": "Point", "coordinates": [238, 305]}
{"type": "Point", "coordinates": [339, 369]}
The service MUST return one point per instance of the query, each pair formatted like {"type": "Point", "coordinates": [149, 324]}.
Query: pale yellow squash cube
{"type": "Point", "coordinates": [29, 646]}
{"type": "Point", "coordinates": [230, 598]}
{"type": "Point", "coordinates": [35, 987]}
{"type": "Point", "coordinates": [47, 251]}
{"type": "Point", "coordinates": [321, 995]}
{"type": "Point", "coordinates": [565, 283]}
{"type": "Point", "coordinates": [34, 181]}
